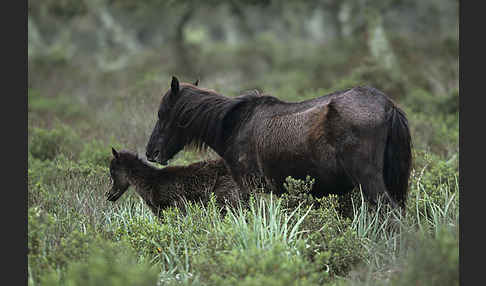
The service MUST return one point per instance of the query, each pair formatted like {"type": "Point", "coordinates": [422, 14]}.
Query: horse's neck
{"type": "Point", "coordinates": [203, 113]}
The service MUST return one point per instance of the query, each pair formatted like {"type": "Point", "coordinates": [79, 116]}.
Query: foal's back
{"type": "Point", "coordinates": [195, 182]}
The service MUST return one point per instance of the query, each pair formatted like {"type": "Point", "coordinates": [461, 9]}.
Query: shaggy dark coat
{"type": "Point", "coordinates": [344, 139]}
{"type": "Point", "coordinates": [161, 188]}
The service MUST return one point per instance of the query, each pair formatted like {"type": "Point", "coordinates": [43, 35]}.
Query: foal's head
{"type": "Point", "coordinates": [119, 171]}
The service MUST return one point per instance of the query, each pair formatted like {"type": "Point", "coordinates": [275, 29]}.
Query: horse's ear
{"type": "Point", "coordinates": [174, 85]}
{"type": "Point", "coordinates": [197, 82]}
{"type": "Point", "coordinates": [115, 153]}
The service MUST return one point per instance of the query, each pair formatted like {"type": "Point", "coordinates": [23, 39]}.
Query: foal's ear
{"type": "Point", "coordinates": [115, 154]}
{"type": "Point", "coordinates": [174, 86]}
{"type": "Point", "coordinates": [197, 82]}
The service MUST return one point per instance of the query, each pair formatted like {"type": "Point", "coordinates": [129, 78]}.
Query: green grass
{"type": "Point", "coordinates": [275, 241]}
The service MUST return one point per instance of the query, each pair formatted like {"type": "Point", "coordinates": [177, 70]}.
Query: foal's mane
{"type": "Point", "coordinates": [200, 114]}
{"type": "Point", "coordinates": [133, 162]}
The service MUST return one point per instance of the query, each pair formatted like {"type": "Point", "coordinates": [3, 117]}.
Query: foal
{"type": "Point", "coordinates": [161, 188]}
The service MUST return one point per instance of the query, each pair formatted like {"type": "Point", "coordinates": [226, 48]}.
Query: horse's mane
{"type": "Point", "coordinates": [200, 114]}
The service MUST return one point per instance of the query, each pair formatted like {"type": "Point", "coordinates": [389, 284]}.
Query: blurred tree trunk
{"type": "Point", "coordinates": [244, 27]}
{"type": "Point", "coordinates": [180, 45]}
{"type": "Point", "coordinates": [333, 9]}
{"type": "Point", "coordinates": [117, 43]}
{"type": "Point", "coordinates": [34, 38]}
{"type": "Point", "coordinates": [376, 38]}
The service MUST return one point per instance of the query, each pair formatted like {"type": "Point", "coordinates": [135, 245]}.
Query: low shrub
{"type": "Point", "coordinates": [434, 261]}
{"type": "Point", "coordinates": [53, 243]}
{"type": "Point", "coordinates": [98, 152]}
{"type": "Point", "coordinates": [61, 106]}
{"type": "Point", "coordinates": [46, 144]}
{"type": "Point", "coordinates": [256, 266]}
{"type": "Point", "coordinates": [107, 263]}
{"type": "Point", "coordinates": [434, 192]}
{"type": "Point", "coordinates": [63, 184]}
{"type": "Point", "coordinates": [419, 100]}
{"type": "Point", "coordinates": [332, 243]}
{"type": "Point", "coordinates": [298, 192]}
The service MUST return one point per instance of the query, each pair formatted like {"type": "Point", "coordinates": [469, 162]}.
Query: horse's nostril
{"type": "Point", "coordinates": [152, 157]}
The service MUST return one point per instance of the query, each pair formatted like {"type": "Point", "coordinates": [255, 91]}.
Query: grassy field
{"type": "Point", "coordinates": [76, 113]}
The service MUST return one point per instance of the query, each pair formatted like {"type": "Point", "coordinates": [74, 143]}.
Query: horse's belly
{"type": "Point", "coordinates": [329, 178]}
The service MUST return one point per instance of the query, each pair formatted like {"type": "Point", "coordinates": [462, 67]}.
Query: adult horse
{"type": "Point", "coordinates": [346, 138]}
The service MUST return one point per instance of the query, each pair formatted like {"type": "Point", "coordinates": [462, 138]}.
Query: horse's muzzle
{"type": "Point", "coordinates": [113, 196]}
{"type": "Point", "coordinates": [152, 157]}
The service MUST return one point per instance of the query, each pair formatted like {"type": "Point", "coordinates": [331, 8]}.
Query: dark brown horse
{"type": "Point", "coordinates": [350, 137]}
{"type": "Point", "coordinates": [170, 186]}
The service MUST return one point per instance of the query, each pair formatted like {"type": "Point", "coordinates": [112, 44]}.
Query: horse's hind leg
{"type": "Point", "coordinates": [373, 186]}
{"type": "Point", "coordinates": [364, 170]}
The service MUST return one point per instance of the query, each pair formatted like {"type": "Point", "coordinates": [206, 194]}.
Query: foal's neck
{"type": "Point", "coordinates": [140, 172]}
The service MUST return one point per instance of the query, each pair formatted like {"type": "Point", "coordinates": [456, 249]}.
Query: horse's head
{"type": "Point", "coordinates": [119, 175]}
{"type": "Point", "coordinates": [165, 140]}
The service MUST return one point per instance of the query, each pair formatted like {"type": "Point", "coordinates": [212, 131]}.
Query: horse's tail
{"type": "Point", "coordinates": [398, 156]}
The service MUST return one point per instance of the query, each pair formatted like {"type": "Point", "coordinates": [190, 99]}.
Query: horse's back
{"type": "Point", "coordinates": [362, 106]}
{"type": "Point", "coordinates": [309, 138]}
{"type": "Point", "coordinates": [294, 127]}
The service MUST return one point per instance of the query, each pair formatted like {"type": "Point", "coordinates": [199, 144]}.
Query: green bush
{"type": "Point", "coordinates": [98, 152]}
{"type": "Point", "coordinates": [434, 261]}
{"type": "Point", "coordinates": [371, 73]}
{"type": "Point", "coordinates": [107, 263]}
{"type": "Point", "coordinates": [436, 134]}
{"type": "Point", "coordinates": [434, 190]}
{"type": "Point", "coordinates": [332, 243]}
{"type": "Point", "coordinates": [256, 266]}
{"type": "Point", "coordinates": [166, 239]}
{"type": "Point", "coordinates": [46, 144]}
{"type": "Point", "coordinates": [298, 192]}
{"type": "Point", "coordinates": [62, 105]}
{"type": "Point", "coordinates": [433, 121]}
{"type": "Point", "coordinates": [62, 184]}
{"type": "Point", "coordinates": [53, 243]}
{"type": "Point", "coordinates": [422, 101]}
{"type": "Point", "coordinates": [432, 172]}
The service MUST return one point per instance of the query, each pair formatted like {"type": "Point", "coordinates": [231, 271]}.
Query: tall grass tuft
{"type": "Point", "coordinates": [266, 223]}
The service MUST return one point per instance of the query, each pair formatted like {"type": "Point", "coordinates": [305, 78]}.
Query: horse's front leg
{"type": "Point", "coordinates": [250, 184]}
{"type": "Point", "coordinates": [246, 174]}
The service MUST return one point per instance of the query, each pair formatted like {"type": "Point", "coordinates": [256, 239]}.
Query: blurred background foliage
{"type": "Point", "coordinates": [109, 61]}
